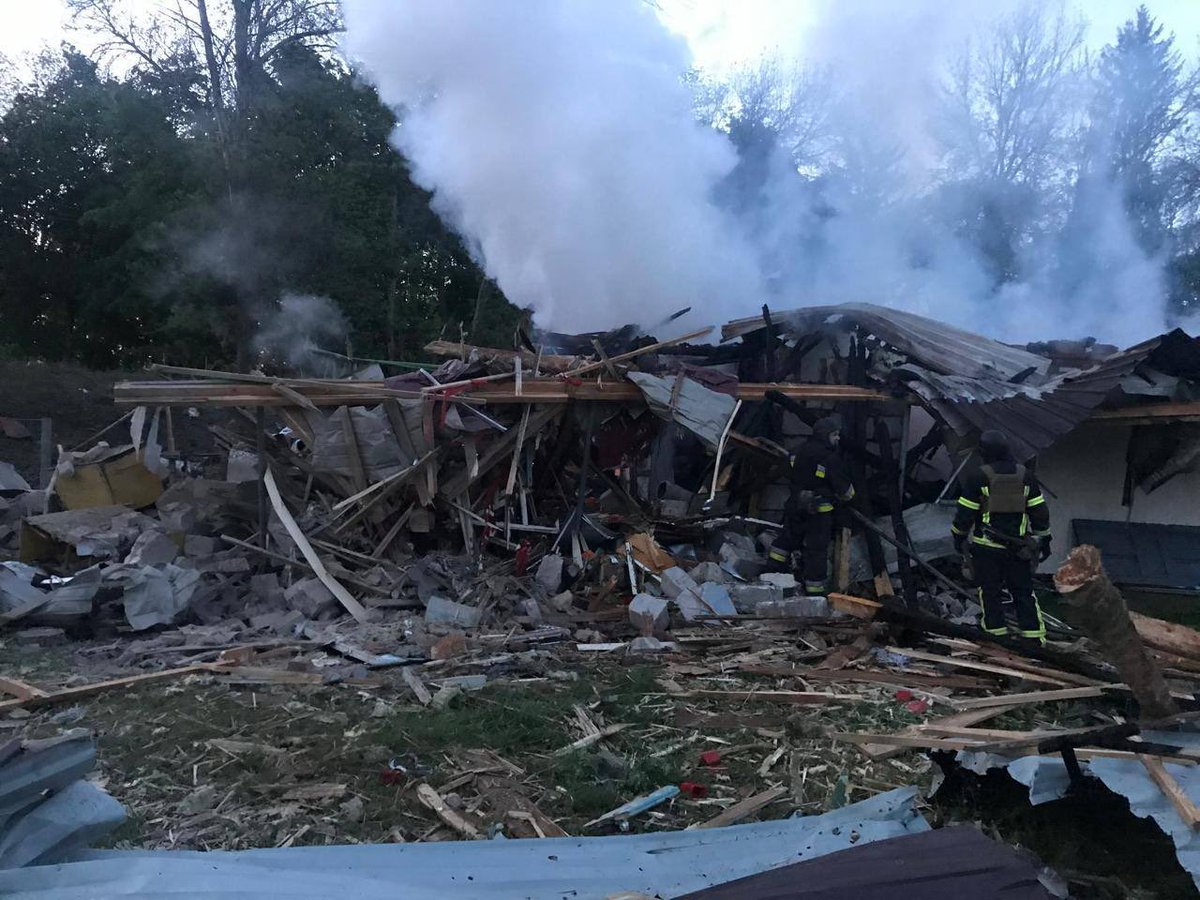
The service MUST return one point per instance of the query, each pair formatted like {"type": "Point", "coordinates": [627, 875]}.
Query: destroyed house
{"type": "Point", "coordinates": [1114, 433]}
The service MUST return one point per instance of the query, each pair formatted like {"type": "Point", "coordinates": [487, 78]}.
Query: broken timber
{"type": "Point", "coordinates": [67, 695]}
{"type": "Point", "coordinates": [371, 393]}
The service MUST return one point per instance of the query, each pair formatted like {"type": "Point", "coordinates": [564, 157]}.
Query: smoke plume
{"type": "Point", "coordinates": [291, 335]}
{"type": "Point", "coordinates": [559, 138]}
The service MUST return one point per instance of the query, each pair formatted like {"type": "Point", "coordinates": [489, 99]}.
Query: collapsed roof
{"type": "Point", "coordinates": [973, 383]}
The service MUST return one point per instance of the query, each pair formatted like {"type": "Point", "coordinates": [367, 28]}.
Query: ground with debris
{"type": "Point", "coordinates": [529, 593]}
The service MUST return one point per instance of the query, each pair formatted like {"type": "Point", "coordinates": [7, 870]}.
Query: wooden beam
{"type": "Point", "coordinates": [1079, 693]}
{"type": "Point", "coordinates": [1148, 413]}
{"type": "Point", "coordinates": [976, 666]}
{"type": "Point", "coordinates": [1171, 790]}
{"type": "Point", "coordinates": [371, 393]}
{"type": "Point", "coordinates": [744, 808]}
{"type": "Point", "coordinates": [640, 351]}
{"type": "Point", "coordinates": [80, 692]}
{"type": "Point", "coordinates": [20, 689]}
{"type": "Point", "coordinates": [456, 350]}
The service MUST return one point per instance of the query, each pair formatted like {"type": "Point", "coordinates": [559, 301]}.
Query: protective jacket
{"type": "Point", "coordinates": [818, 469]}
{"type": "Point", "coordinates": [1000, 505]}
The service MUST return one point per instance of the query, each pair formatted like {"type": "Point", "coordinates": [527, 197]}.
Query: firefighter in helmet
{"type": "Point", "coordinates": [1003, 523]}
{"type": "Point", "coordinates": [819, 482]}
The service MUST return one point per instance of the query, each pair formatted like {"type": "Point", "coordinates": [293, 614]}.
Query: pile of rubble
{"type": "Point", "coordinates": [509, 514]}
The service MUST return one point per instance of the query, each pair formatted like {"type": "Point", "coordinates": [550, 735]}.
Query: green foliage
{"type": "Point", "coordinates": [129, 233]}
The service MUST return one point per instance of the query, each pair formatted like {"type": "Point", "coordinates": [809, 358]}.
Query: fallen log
{"type": "Point", "coordinates": [1101, 611]}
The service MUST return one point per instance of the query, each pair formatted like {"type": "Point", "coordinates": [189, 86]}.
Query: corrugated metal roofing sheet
{"type": "Point", "coordinates": [967, 379]}
{"type": "Point", "coordinates": [934, 345]}
{"type": "Point", "coordinates": [1047, 779]}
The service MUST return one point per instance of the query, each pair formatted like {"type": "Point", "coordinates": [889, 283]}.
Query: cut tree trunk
{"type": "Point", "coordinates": [1101, 612]}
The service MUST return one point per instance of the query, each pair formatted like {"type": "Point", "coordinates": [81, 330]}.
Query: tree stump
{"type": "Point", "coordinates": [1101, 612]}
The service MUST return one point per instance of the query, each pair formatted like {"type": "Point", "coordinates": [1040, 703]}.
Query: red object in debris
{"type": "Point", "coordinates": [693, 790]}
{"type": "Point", "coordinates": [391, 776]}
{"type": "Point", "coordinates": [917, 707]}
{"type": "Point", "coordinates": [710, 757]}
{"type": "Point", "coordinates": [904, 695]}
{"type": "Point", "coordinates": [522, 560]}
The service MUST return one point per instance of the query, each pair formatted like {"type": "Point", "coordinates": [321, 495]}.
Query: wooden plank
{"type": "Point", "coordinates": [588, 740]}
{"type": "Point", "coordinates": [797, 698]}
{"type": "Point", "coordinates": [433, 801]}
{"type": "Point", "coordinates": [744, 808]}
{"type": "Point", "coordinates": [1150, 411]}
{"type": "Point", "coordinates": [416, 685]}
{"type": "Point", "coordinates": [883, 751]}
{"type": "Point", "coordinates": [870, 676]}
{"type": "Point", "coordinates": [1079, 693]}
{"type": "Point", "coordinates": [640, 351]}
{"type": "Point", "coordinates": [976, 666]}
{"type": "Point", "coordinates": [1172, 790]}
{"type": "Point", "coordinates": [292, 395]}
{"type": "Point", "coordinates": [20, 689]}
{"type": "Point", "coordinates": [80, 692]}
{"type": "Point", "coordinates": [859, 607]}
{"type": "Point", "coordinates": [548, 362]}
{"type": "Point", "coordinates": [343, 596]}
{"type": "Point", "coordinates": [371, 393]}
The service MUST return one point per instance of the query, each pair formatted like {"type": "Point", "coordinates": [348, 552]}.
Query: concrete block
{"type": "Point", "coordinates": [798, 607]}
{"type": "Point", "coordinates": [310, 597]}
{"type": "Point", "coordinates": [646, 644]}
{"type": "Point", "coordinates": [680, 587]}
{"type": "Point", "coordinates": [441, 611]}
{"type": "Point", "coordinates": [563, 602]}
{"type": "Point", "coordinates": [716, 597]}
{"type": "Point", "coordinates": [198, 545]}
{"type": "Point", "coordinates": [710, 571]}
{"type": "Point", "coordinates": [549, 572]}
{"type": "Point", "coordinates": [747, 598]}
{"type": "Point", "coordinates": [649, 614]}
{"type": "Point", "coordinates": [783, 580]}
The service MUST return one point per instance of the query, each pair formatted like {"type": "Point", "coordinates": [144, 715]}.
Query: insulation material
{"type": "Point", "coordinates": [381, 453]}
{"type": "Point", "coordinates": [666, 864]}
{"type": "Point", "coordinates": [107, 476]}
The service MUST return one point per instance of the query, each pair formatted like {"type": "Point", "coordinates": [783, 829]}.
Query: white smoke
{"type": "Point", "coordinates": [557, 137]}
{"type": "Point", "coordinates": [294, 333]}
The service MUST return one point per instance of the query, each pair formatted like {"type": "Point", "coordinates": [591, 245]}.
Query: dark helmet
{"type": "Point", "coordinates": [826, 427]}
{"type": "Point", "coordinates": [994, 446]}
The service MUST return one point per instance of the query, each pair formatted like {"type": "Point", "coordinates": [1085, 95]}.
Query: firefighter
{"type": "Point", "coordinates": [1004, 517]}
{"type": "Point", "coordinates": [819, 481]}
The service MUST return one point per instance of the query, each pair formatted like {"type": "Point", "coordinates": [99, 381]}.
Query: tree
{"type": "Point", "coordinates": [90, 169]}
{"type": "Point", "coordinates": [1007, 122]}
